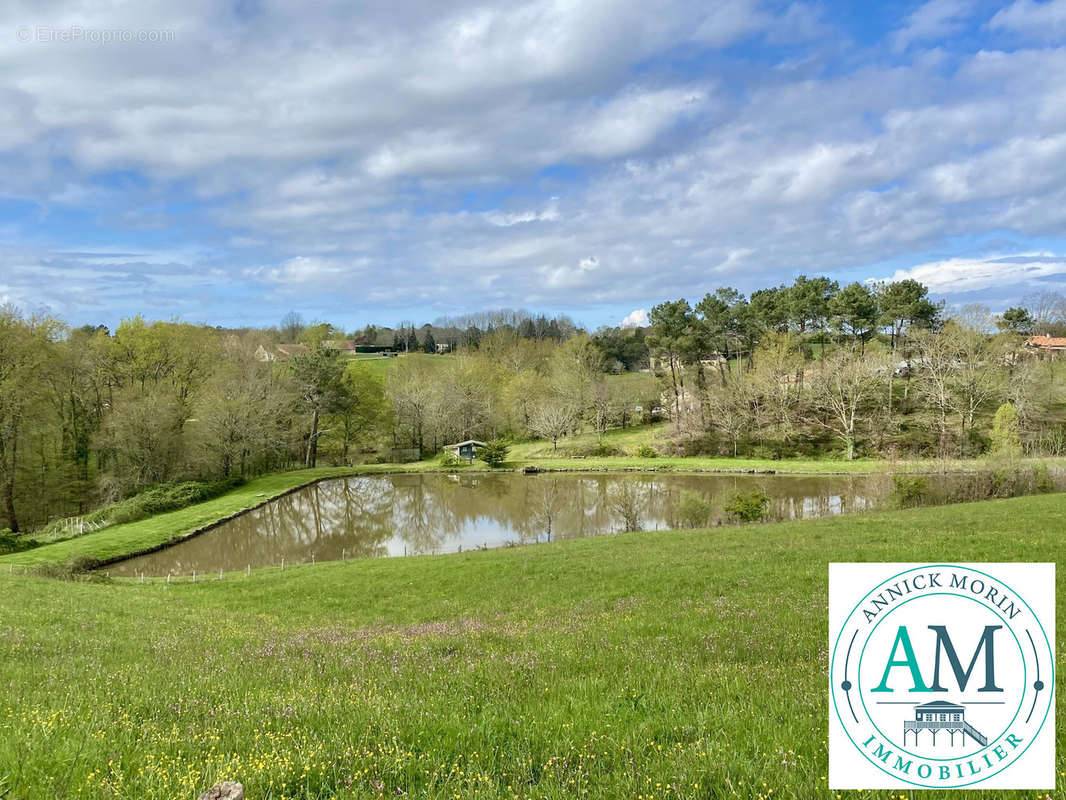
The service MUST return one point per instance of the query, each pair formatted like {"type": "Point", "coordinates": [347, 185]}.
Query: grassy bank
{"type": "Point", "coordinates": [653, 665]}
{"type": "Point", "coordinates": [133, 537]}
{"type": "Point", "coordinates": [122, 540]}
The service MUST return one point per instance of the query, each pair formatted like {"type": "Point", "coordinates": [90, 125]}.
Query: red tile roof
{"type": "Point", "coordinates": [1047, 341]}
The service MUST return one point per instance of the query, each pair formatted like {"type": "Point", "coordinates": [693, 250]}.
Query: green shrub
{"type": "Point", "coordinates": [168, 497]}
{"type": "Point", "coordinates": [151, 501]}
{"type": "Point", "coordinates": [494, 453]}
{"type": "Point", "coordinates": [11, 543]}
{"type": "Point", "coordinates": [693, 511]}
{"type": "Point", "coordinates": [973, 443]}
{"type": "Point", "coordinates": [1006, 441]}
{"type": "Point", "coordinates": [748, 506]}
{"type": "Point", "coordinates": [647, 451]}
{"type": "Point", "coordinates": [910, 491]}
{"type": "Point", "coordinates": [1043, 483]}
{"type": "Point", "coordinates": [449, 459]}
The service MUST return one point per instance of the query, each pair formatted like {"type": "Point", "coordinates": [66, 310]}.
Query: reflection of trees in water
{"type": "Point", "coordinates": [333, 519]}
{"type": "Point", "coordinates": [431, 513]}
{"type": "Point", "coordinates": [822, 497]}
{"type": "Point", "coordinates": [628, 503]}
{"type": "Point", "coordinates": [421, 515]}
{"type": "Point", "coordinates": [544, 503]}
{"type": "Point", "coordinates": [359, 517]}
{"type": "Point", "coordinates": [570, 506]}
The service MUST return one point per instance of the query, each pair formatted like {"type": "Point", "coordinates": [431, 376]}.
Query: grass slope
{"type": "Point", "coordinates": [133, 537]}
{"type": "Point", "coordinates": [649, 665]}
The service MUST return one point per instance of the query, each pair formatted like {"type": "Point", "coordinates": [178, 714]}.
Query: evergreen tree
{"type": "Point", "coordinates": [905, 303]}
{"type": "Point", "coordinates": [771, 308]}
{"type": "Point", "coordinates": [807, 300]}
{"type": "Point", "coordinates": [1016, 320]}
{"type": "Point", "coordinates": [671, 328]}
{"type": "Point", "coordinates": [855, 312]}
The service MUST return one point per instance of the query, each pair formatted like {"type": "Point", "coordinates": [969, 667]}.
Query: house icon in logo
{"type": "Point", "coordinates": [942, 716]}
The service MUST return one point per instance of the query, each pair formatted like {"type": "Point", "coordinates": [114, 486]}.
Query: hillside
{"type": "Point", "coordinates": [669, 664]}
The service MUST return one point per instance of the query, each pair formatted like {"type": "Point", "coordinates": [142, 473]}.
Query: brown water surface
{"type": "Point", "coordinates": [396, 515]}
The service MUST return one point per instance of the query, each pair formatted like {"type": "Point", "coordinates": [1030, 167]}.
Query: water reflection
{"type": "Point", "coordinates": [395, 515]}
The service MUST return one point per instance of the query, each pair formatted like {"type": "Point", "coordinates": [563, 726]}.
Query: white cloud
{"type": "Point", "coordinates": [631, 122]}
{"type": "Point", "coordinates": [956, 275]}
{"type": "Point", "coordinates": [465, 155]}
{"type": "Point", "coordinates": [933, 20]}
{"type": "Point", "coordinates": [1044, 20]}
{"type": "Point", "coordinates": [548, 214]}
{"type": "Point", "coordinates": [637, 318]}
{"type": "Point", "coordinates": [301, 270]}
{"type": "Point", "coordinates": [570, 277]}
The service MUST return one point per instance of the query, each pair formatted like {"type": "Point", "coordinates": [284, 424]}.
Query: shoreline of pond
{"type": "Point", "coordinates": [31, 559]}
{"type": "Point", "coordinates": [380, 514]}
{"type": "Point", "coordinates": [665, 469]}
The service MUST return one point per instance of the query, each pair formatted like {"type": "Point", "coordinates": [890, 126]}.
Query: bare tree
{"type": "Point", "coordinates": [1048, 310]}
{"type": "Point", "coordinates": [410, 388]}
{"type": "Point", "coordinates": [840, 389]}
{"type": "Point", "coordinates": [292, 325]}
{"type": "Point", "coordinates": [553, 418]}
{"type": "Point", "coordinates": [978, 375]}
{"type": "Point", "coordinates": [545, 505]}
{"type": "Point", "coordinates": [775, 385]}
{"type": "Point", "coordinates": [731, 410]}
{"type": "Point", "coordinates": [936, 358]}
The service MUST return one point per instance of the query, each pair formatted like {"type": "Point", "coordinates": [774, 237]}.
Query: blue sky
{"type": "Point", "coordinates": [404, 160]}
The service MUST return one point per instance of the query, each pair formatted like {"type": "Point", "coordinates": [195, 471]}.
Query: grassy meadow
{"type": "Point", "coordinates": [648, 665]}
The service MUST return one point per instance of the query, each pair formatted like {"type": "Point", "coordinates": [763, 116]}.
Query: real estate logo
{"type": "Point", "coordinates": [942, 676]}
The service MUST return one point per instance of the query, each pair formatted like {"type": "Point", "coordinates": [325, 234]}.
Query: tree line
{"type": "Point", "coordinates": [803, 367]}
{"type": "Point", "coordinates": [465, 330]}
{"type": "Point", "coordinates": [89, 415]}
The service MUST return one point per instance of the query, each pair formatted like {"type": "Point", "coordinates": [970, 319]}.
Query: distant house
{"type": "Point", "coordinates": [280, 352]}
{"type": "Point", "coordinates": [466, 450]}
{"type": "Point", "coordinates": [1046, 346]}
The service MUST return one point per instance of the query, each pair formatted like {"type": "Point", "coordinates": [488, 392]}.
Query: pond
{"type": "Point", "coordinates": [397, 515]}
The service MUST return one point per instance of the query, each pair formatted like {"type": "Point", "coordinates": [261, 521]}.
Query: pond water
{"type": "Point", "coordinates": [396, 515]}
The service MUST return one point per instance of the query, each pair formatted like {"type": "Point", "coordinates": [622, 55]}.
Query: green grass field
{"type": "Point", "coordinates": [649, 665]}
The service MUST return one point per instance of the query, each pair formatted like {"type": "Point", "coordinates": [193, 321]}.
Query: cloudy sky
{"type": "Point", "coordinates": [371, 162]}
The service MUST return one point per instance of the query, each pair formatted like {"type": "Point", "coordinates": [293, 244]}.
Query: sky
{"type": "Point", "coordinates": [376, 162]}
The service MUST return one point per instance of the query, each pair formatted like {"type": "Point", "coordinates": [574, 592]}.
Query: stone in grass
{"type": "Point", "coordinates": [227, 790]}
